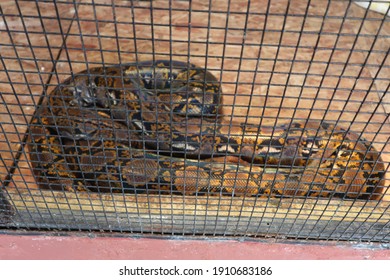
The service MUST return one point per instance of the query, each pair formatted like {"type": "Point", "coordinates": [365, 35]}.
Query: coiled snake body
{"type": "Point", "coordinates": [155, 127]}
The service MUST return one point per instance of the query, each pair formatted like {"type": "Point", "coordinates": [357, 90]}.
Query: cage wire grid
{"type": "Point", "coordinates": [276, 61]}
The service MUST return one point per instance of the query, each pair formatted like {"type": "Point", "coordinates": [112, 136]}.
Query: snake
{"type": "Point", "coordinates": [157, 127]}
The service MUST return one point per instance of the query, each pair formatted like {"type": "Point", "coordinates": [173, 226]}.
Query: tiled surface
{"type": "Point", "coordinates": [297, 72]}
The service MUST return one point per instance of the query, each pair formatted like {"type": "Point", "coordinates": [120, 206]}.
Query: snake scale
{"type": "Point", "coordinates": [156, 127]}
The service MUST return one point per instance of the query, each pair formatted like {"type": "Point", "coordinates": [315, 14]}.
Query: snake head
{"type": "Point", "coordinates": [83, 92]}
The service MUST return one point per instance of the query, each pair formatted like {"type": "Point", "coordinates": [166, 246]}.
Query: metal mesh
{"type": "Point", "coordinates": [277, 62]}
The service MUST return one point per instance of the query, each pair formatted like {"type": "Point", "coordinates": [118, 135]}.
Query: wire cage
{"type": "Point", "coordinates": [299, 79]}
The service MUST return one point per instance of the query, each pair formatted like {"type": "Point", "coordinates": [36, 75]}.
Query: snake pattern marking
{"type": "Point", "coordinates": [155, 127]}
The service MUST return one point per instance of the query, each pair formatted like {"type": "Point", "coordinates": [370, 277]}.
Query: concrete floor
{"type": "Point", "coordinates": [83, 247]}
{"type": "Point", "coordinates": [300, 58]}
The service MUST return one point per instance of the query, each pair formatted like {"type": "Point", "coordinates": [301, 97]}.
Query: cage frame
{"type": "Point", "coordinates": [293, 218]}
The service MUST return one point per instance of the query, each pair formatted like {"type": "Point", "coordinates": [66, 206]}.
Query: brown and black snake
{"type": "Point", "coordinates": [156, 127]}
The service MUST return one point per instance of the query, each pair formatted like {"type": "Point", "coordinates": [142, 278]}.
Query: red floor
{"type": "Point", "coordinates": [84, 247]}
